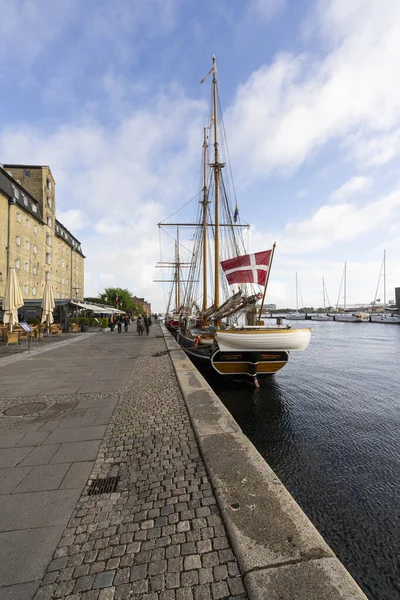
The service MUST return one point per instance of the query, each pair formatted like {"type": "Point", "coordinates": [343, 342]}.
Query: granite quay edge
{"type": "Point", "coordinates": [278, 549]}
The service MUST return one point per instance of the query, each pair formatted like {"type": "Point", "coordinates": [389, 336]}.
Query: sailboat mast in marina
{"type": "Point", "coordinates": [221, 328]}
{"type": "Point", "coordinates": [385, 317]}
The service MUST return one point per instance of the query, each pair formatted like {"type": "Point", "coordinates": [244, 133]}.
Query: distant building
{"type": "Point", "coordinates": [31, 238]}
{"type": "Point", "coordinates": [145, 306]}
{"type": "Point", "coordinates": [270, 306]}
{"type": "Point", "coordinates": [397, 295]}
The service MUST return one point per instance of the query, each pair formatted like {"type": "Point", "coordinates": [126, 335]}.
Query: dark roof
{"type": "Point", "coordinates": [8, 185]}
{"type": "Point", "coordinates": [9, 166]}
{"type": "Point", "coordinates": [70, 239]}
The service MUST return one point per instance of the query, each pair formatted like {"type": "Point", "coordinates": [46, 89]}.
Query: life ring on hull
{"type": "Point", "coordinates": [197, 341]}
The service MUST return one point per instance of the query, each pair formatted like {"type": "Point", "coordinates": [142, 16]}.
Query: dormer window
{"type": "Point", "coordinates": [34, 208]}
{"type": "Point", "coordinates": [25, 200]}
{"type": "Point", "coordinates": [16, 192]}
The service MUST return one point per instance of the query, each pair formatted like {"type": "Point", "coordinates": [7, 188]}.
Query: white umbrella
{"type": "Point", "coordinates": [48, 304]}
{"type": "Point", "coordinates": [12, 300]}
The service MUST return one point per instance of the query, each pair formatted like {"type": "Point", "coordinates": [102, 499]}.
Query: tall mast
{"type": "Point", "coordinates": [178, 274]}
{"type": "Point", "coordinates": [384, 278]}
{"type": "Point", "coordinates": [297, 296]}
{"type": "Point", "coordinates": [323, 292]}
{"type": "Point", "coordinates": [345, 277]}
{"type": "Point", "coordinates": [217, 166]}
{"type": "Point", "coordinates": [205, 204]}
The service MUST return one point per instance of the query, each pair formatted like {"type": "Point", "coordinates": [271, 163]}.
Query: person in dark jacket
{"type": "Point", "coordinates": [111, 323]}
{"type": "Point", "coordinates": [126, 323]}
{"type": "Point", "coordinates": [119, 323]}
{"type": "Point", "coordinates": [146, 323]}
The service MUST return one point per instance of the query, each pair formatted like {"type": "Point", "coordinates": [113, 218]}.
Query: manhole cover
{"type": "Point", "coordinates": [103, 486]}
{"type": "Point", "coordinates": [25, 409]}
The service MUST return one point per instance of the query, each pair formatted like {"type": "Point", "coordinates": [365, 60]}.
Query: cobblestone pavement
{"type": "Point", "coordinates": [160, 535]}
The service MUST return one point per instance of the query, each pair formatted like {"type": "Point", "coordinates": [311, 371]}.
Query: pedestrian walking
{"type": "Point", "coordinates": [146, 324]}
{"type": "Point", "coordinates": [126, 323]}
{"type": "Point", "coordinates": [119, 324]}
{"type": "Point", "coordinates": [140, 325]}
{"type": "Point", "coordinates": [111, 323]}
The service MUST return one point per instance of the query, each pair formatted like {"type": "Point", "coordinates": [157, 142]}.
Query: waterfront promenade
{"type": "Point", "coordinates": [105, 405]}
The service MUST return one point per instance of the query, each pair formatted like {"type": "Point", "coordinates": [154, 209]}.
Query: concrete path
{"type": "Point", "coordinates": [111, 406]}
{"type": "Point", "coordinates": [54, 409]}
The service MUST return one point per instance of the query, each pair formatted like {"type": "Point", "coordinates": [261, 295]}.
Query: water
{"type": "Point", "coordinates": [329, 426]}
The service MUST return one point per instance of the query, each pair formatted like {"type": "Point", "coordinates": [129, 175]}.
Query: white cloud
{"type": "Point", "coordinates": [352, 187]}
{"type": "Point", "coordinates": [288, 110]}
{"type": "Point", "coordinates": [73, 219]}
{"type": "Point", "coordinates": [115, 183]}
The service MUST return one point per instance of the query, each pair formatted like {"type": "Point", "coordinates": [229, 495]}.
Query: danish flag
{"type": "Point", "coordinates": [249, 268]}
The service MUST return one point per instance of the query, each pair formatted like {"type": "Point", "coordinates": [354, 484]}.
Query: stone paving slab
{"type": "Point", "coordinates": [160, 534]}
{"type": "Point", "coordinates": [47, 456]}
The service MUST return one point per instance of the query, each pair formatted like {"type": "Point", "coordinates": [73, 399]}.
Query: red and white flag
{"type": "Point", "coordinates": [249, 268]}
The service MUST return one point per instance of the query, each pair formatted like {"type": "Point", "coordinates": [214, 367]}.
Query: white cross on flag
{"type": "Point", "coordinates": [249, 268]}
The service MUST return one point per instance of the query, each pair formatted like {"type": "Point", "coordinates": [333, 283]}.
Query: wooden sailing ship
{"type": "Point", "coordinates": [226, 334]}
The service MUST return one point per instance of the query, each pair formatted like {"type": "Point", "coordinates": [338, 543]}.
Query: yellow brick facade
{"type": "Point", "coordinates": [40, 247]}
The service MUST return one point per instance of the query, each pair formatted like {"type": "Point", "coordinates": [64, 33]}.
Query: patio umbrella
{"type": "Point", "coordinates": [47, 304]}
{"type": "Point", "coordinates": [12, 300]}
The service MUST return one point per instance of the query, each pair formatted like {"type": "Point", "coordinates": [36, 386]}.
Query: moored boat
{"type": "Point", "coordinates": [213, 334]}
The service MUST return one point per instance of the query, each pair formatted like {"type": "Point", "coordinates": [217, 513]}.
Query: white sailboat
{"type": "Point", "coordinates": [323, 316]}
{"type": "Point", "coordinates": [214, 334]}
{"type": "Point", "coordinates": [296, 316]}
{"type": "Point", "coordinates": [348, 317]}
{"type": "Point", "coordinates": [383, 317]}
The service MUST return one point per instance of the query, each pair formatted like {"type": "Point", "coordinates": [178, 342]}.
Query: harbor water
{"type": "Point", "coordinates": [329, 426]}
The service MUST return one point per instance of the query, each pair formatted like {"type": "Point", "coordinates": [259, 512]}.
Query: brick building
{"type": "Point", "coordinates": [145, 306]}
{"type": "Point", "coordinates": [32, 239]}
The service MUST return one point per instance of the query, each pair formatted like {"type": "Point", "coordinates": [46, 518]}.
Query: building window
{"type": "Point", "coordinates": [48, 240]}
{"type": "Point", "coordinates": [48, 258]}
{"type": "Point", "coordinates": [19, 217]}
{"type": "Point", "coordinates": [63, 281]}
{"type": "Point", "coordinates": [18, 240]}
{"type": "Point", "coordinates": [34, 249]}
{"type": "Point", "coordinates": [48, 184]}
{"type": "Point", "coordinates": [35, 229]}
{"type": "Point", "coordinates": [26, 266]}
{"type": "Point", "coordinates": [25, 200]}
{"type": "Point", "coordinates": [27, 223]}
{"type": "Point", "coordinates": [34, 270]}
{"type": "Point", "coordinates": [34, 208]}
{"type": "Point", "coordinates": [16, 192]}
{"type": "Point", "coordinates": [49, 221]}
{"type": "Point", "coordinates": [47, 275]}
{"type": "Point", "coordinates": [34, 291]}
{"type": "Point", "coordinates": [63, 264]}
{"type": "Point", "coordinates": [27, 244]}
{"type": "Point", "coordinates": [26, 289]}
{"type": "Point", "coordinates": [58, 279]}
{"type": "Point", "coordinates": [58, 262]}
{"type": "Point", "coordinates": [49, 201]}
{"type": "Point", "coordinates": [58, 295]}
{"type": "Point", "coordinates": [59, 245]}
{"type": "Point", "coordinates": [67, 282]}
{"type": "Point", "coordinates": [17, 264]}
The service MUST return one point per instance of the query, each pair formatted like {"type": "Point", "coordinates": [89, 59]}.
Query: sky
{"type": "Point", "coordinates": [106, 92]}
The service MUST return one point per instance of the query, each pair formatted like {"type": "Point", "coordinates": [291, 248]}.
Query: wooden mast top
{"type": "Point", "coordinates": [217, 167]}
{"type": "Point", "coordinates": [205, 204]}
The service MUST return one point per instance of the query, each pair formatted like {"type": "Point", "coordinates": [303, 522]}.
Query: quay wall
{"type": "Point", "coordinates": [280, 553]}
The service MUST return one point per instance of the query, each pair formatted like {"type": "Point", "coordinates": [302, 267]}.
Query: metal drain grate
{"type": "Point", "coordinates": [103, 486]}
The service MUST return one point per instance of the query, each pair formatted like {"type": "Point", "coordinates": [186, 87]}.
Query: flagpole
{"type": "Point", "coordinates": [266, 282]}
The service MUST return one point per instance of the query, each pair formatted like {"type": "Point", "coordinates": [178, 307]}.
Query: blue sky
{"type": "Point", "coordinates": [107, 93]}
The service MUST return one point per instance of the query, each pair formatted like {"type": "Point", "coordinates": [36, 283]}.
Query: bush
{"type": "Point", "coordinates": [84, 321]}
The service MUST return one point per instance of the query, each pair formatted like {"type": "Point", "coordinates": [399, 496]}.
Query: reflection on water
{"type": "Point", "coordinates": [329, 425]}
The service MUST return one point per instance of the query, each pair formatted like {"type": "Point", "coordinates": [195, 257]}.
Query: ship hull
{"type": "Point", "coordinates": [243, 354]}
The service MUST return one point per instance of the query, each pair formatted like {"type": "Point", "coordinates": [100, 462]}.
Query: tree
{"type": "Point", "coordinates": [125, 299]}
